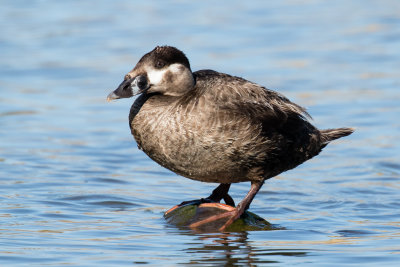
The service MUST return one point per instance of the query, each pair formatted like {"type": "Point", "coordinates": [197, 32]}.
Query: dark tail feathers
{"type": "Point", "coordinates": [332, 134]}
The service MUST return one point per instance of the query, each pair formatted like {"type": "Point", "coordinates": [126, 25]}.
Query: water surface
{"type": "Point", "coordinates": [75, 190]}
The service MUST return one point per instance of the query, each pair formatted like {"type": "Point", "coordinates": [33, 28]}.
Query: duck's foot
{"type": "Point", "coordinates": [225, 218]}
{"type": "Point", "coordinates": [231, 214]}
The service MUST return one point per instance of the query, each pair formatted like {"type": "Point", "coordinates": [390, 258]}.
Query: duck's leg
{"type": "Point", "coordinates": [221, 192]}
{"type": "Point", "coordinates": [237, 212]}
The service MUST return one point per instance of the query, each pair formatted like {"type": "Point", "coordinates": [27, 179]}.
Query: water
{"type": "Point", "coordinates": [75, 190]}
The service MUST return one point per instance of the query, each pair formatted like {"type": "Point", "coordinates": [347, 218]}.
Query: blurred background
{"type": "Point", "coordinates": [75, 190]}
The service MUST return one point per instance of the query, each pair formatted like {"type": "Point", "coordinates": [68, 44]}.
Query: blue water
{"type": "Point", "coordinates": [76, 191]}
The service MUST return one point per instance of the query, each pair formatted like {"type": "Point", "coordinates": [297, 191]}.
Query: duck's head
{"type": "Point", "coordinates": [164, 70]}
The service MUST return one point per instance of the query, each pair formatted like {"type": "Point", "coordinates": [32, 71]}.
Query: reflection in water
{"type": "Point", "coordinates": [231, 249]}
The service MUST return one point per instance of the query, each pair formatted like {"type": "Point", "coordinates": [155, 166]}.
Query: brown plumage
{"type": "Point", "coordinates": [213, 127]}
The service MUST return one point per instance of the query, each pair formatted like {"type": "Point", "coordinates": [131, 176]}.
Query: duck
{"type": "Point", "coordinates": [215, 127]}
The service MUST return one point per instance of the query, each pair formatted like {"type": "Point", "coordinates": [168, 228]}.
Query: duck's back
{"type": "Point", "coordinates": [225, 130]}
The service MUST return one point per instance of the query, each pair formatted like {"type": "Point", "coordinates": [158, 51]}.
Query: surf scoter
{"type": "Point", "coordinates": [214, 127]}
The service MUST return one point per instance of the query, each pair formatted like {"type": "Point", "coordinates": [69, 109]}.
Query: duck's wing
{"type": "Point", "coordinates": [245, 126]}
{"type": "Point", "coordinates": [239, 97]}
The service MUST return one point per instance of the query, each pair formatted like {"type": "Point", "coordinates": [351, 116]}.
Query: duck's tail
{"type": "Point", "coordinates": [328, 135]}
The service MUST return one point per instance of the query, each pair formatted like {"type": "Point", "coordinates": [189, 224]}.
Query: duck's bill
{"type": "Point", "coordinates": [112, 96]}
{"type": "Point", "coordinates": [127, 88]}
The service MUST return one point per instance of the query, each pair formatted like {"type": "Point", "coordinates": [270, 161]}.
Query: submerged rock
{"type": "Point", "coordinates": [187, 215]}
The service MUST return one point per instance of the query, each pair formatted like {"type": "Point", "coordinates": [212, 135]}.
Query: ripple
{"type": "Point", "coordinates": [18, 113]}
{"type": "Point", "coordinates": [113, 204]}
{"type": "Point", "coordinates": [391, 167]}
{"type": "Point", "coordinates": [354, 233]}
{"type": "Point", "coordinates": [84, 198]}
{"type": "Point", "coordinates": [19, 211]}
{"type": "Point", "coordinates": [108, 180]}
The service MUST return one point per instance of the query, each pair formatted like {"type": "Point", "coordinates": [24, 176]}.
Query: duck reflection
{"type": "Point", "coordinates": [225, 249]}
{"type": "Point", "coordinates": [233, 249]}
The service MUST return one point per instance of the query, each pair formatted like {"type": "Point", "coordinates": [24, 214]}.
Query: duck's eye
{"type": "Point", "coordinates": [160, 64]}
{"type": "Point", "coordinates": [141, 82]}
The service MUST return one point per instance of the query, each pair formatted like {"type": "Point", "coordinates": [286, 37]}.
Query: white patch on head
{"type": "Point", "coordinates": [155, 76]}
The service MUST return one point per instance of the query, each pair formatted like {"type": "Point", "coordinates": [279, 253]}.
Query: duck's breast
{"type": "Point", "coordinates": [192, 139]}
